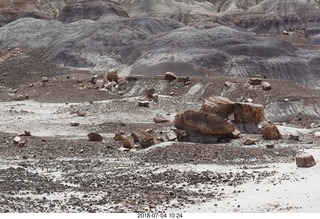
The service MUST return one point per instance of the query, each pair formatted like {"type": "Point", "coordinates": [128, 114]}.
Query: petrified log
{"type": "Point", "coordinates": [305, 160]}
{"type": "Point", "coordinates": [221, 106]}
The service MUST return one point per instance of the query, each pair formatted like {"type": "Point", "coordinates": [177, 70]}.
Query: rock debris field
{"type": "Point", "coordinates": [159, 106]}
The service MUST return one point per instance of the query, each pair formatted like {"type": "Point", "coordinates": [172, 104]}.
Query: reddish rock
{"type": "Point", "coordinates": [250, 141]}
{"type": "Point", "coordinates": [218, 105]}
{"type": "Point", "coordinates": [112, 76]}
{"type": "Point", "coordinates": [305, 160]}
{"type": "Point", "coordinates": [160, 119]}
{"type": "Point", "coordinates": [127, 142]}
{"type": "Point", "coordinates": [95, 137]}
{"type": "Point", "coordinates": [248, 113]}
{"type": "Point", "coordinates": [271, 132]}
{"type": "Point", "coordinates": [255, 81]}
{"type": "Point", "coordinates": [145, 139]}
{"type": "Point", "coordinates": [203, 123]}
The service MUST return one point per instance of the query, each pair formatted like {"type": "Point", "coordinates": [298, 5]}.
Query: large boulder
{"type": "Point", "coordinates": [203, 123]}
{"type": "Point", "coordinates": [248, 113]}
{"type": "Point", "coordinates": [221, 106]}
{"type": "Point", "coordinates": [144, 138]}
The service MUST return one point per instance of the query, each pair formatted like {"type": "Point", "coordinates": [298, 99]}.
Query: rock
{"type": "Point", "coordinates": [182, 81]}
{"type": "Point", "coordinates": [235, 134]}
{"type": "Point", "coordinates": [21, 144]}
{"type": "Point", "coordinates": [95, 137]}
{"type": "Point", "coordinates": [99, 83]}
{"type": "Point", "coordinates": [150, 92]}
{"type": "Point", "coordinates": [171, 136]}
{"type": "Point", "coordinates": [250, 141]}
{"type": "Point", "coordinates": [255, 81]}
{"type": "Point", "coordinates": [94, 79]}
{"type": "Point", "coordinates": [270, 146]}
{"type": "Point", "coordinates": [203, 123]}
{"type": "Point", "coordinates": [122, 83]}
{"type": "Point", "coordinates": [119, 135]}
{"type": "Point", "coordinates": [45, 79]}
{"type": "Point", "coordinates": [74, 123]}
{"type": "Point", "coordinates": [305, 160]}
{"type": "Point", "coordinates": [160, 119]}
{"type": "Point", "coordinates": [170, 76]}
{"type": "Point", "coordinates": [317, 134]}
{"type": "Point", "coordinates": [294, 137]}
{"type": "Point", "coordinates": [127, 142]}
{"type": "Point", "coordinates": [266, 85]}
{"type": "Point", "coordinates": [155, 97]}
{"type": "Point", "coordinates": [143, 103]}
{"type": "Point", "coordinates": [248, 113]}
{"type": "Point", "coordinates": [171, 93]}
{"type": "Point", "coordinates": [144, 138]}
{"type": "Point", "coordinates": [81, 113]}
{"type": "Point", "coordinates": [221, 106]}
{"type": "Point", "coordinates": [26, 133]}
{"type": "Point", "coordinates": [22, 97]}
{"type": "Point", "coordinates": [249, 100]}
{"type": "Point", "coordinates": [16, 140]}
{"type": "Point", "coordinates": [271, 132]}
{"type": "Point", "coordinates": [112, 76]}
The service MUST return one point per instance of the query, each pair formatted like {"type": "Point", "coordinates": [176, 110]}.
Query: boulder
{"type": "Point", "coordinates": [248, 113]}
{"type": "Point", "coordinates": [305, 160]}
{"type": "Point", "coordinates": [122, 83]}
{"type": "Point", "coordinates": [112, 76]}
{"type": "Point", "coordinates": [145, 139]}
{"type": "Point", "coordinates": [170, 76]}
{"type": "Point", "coordinates": [271, 132]}
{"type": "Point", "coordinates": [119, 135]}
{"type": "Point", "coordinates": [203, 123]}
{"type": "Point", "coordinates": [221, 106]}
{"type": "Point", "coordinates": [95, 137]}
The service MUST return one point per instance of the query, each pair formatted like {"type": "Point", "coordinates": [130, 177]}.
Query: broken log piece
{"type": "Point", "coordinates": [305, 160]}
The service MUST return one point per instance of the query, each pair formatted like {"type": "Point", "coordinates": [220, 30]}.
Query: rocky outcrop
{"type": "Point", "coordinates": [220, 106]}
{"type": "Point", "coordinates": [248, 113]}
{"type": "Point", "coordinates": [203, 123]}
{"type": "Point", "coordinates": [76, 10]}
{"type": "Point", "coordinates": [15, 9]}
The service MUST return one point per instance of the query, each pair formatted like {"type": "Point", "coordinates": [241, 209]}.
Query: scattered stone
{"type": "Point", "coordinates": [21, 143]}
{"type": "Point", "coordinates": [95, 78]}
{"type": "Point", "coordinates": [95, 137]}
{"type": "Point", "coordinates": [155, 97]}
{"type": "Point", "coordinates": [79, 81]}
{"type": "Point", "coordinates": [99, 83]}
{"type": "Point", "coordinates": [16, 140]}
{"type": "Point", "coordinates": [143, 103]}
{"type": "Point", "coordinates": [23, 97]}
{"type": "Point", "coordinates": [294, 137]}
{"type": "Point", "coordinates": [305, 160]}
{"type": "Point", "coordinates": [150, 92]}
{"type": "Point", "coordinates": [271, 132]}
{"type": "Point", "coordinates": [31, 85]}
{"type": "Point", "coordinates": [160, 119]}
{"type": "Point", "coordinates": [26, 133]}
{"type": "Point", "coordinates": [255, 81]}
{"type": "Point", "coordinates": [250, 141]}
{"type": "Point", "coordinates": [127, 142]}
{"type": "Point", "coordinates": [145, 139]}
{"type": "Point", "coordinates": [249, 100]}
{"type": "Point", "coordinates": [270, 146]}
{"type": "Point", "coordinates": [235, 134]}
{"type": "Point", "coordinates": [171, 136]}
{"type": "Point", "coordinates": [266, 85]}
{"type": "Point", "coordinates": [203, 123]}
{"type": "Point", "coordinates": [74, 123]}
{"type": "Point", "coordinates": [317, 134]}
{"type": "Point", "coordinates": [221, 106]}
{"type": "Point", "coordinates": [248, 113]}
{"type": "Point", "coordinates": [172, 93]}
{"type": "Point", "coordinates": [81, 113]}
{"type": "Point", "coordinates": [45, 79]}
{"type": "Point", "coordinates": [286, 100]}
{"type": "Point", "coordinates": [170, 76]}
{"type": "Point", "coordinates": [112, 76]}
